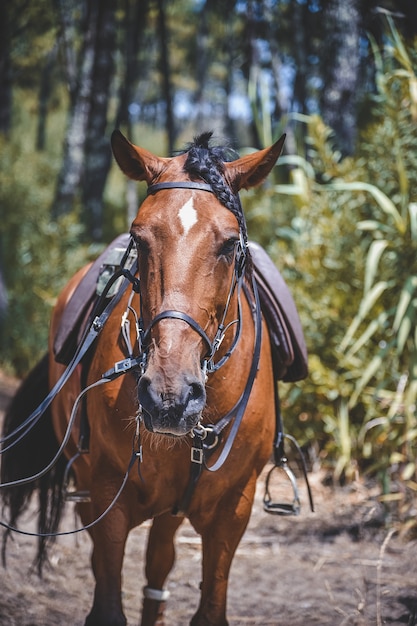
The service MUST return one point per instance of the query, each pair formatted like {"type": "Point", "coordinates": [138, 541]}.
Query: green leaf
{"type": "Point", "coordinates": [371, 225]}
{"type": "Point", "coordinates": [366, 305]}
{"type": "Point", "coordinates": [369, 372]}
{"type": "Point", "coordinates": [400, 51]}
{"type": "Point", "coordinates": [384, 202]}
{"type": "Point", "coordinates": [299, 161]}
{"type": "Point", "coordinates": [373, 296]}
{"type": "Point", "coordinates": [404, 330]}
{"type": "Point", "coordinates": [371, 329]}
{"type": "Point", "coordinates": [412, 210]}
{"type": "Point", "coordinates": [376, 250]}
{"type": "Point", "coordinates": [407, 294]}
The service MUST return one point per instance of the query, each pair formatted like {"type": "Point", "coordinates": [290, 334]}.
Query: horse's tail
{"type": "Point", "coordinates": [28, 457]}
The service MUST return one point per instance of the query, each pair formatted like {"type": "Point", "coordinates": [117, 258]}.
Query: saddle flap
{"type": "Point", "coordinates": [80, 305]}
{"type": "Point", "coordinates": [289, 352]}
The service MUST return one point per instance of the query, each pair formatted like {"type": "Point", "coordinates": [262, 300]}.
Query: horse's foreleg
{"type": "Point", "coordinates": [160, 558]}
{"type": "Point", "coordinates": [220, 538]}
{"type": "Point", "coordinates": [109, 539]}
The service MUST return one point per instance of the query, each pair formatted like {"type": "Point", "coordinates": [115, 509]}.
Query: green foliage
{"type": "Point", "coordinates": [342, 231]}
{"type": "Point", "coordinates": [349, 252]}
{"type": "Point", "coordinates": [38, 255]}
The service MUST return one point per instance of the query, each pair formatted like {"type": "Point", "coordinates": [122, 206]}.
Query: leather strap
{"type": "Point", "coordinates": [178, 315]}
{"type": "Point", "coordinates": [188, 184]}
{"type": "Point", "coordinates": [243, 402]}
{"type": "Point", "coordinates": [95, 329]}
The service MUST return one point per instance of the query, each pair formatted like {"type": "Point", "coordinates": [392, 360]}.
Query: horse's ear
{"type": "Point", "coordinates": [137, 163]}
{"type": "Point", "coordinates": [252, 169]}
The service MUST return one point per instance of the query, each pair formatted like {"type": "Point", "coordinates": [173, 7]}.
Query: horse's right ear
{"type": "Point", "coordinates": [137, 163]}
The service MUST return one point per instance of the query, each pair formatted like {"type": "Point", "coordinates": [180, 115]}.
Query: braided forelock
{"type": "Point", "coordinates": [207, 163]}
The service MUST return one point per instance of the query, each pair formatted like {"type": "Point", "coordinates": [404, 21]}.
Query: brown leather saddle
{"type": "Point", "coordinates": [287, 340]}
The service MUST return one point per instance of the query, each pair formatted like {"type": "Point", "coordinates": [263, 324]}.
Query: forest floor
{"type": "Point", "coordinates": [340, 565]}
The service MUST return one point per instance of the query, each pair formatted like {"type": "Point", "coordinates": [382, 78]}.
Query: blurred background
{"type": "Point", "coordinates": [338, 215]}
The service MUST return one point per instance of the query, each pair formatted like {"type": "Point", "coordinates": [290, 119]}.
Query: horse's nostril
{"type": "Point", "coordinates": [145, 395]}
{"type": "Point", "coordinates": [197, 392]}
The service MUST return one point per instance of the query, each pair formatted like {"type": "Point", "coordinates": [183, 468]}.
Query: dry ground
{"type": "Point", "coordinates": [335, 567]}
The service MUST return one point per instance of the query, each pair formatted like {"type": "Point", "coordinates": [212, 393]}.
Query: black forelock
{"type": "Point", "coordinates": [203, 140]}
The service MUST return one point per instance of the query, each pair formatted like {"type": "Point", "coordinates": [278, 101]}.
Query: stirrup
{"type": "Point", "coordinates": [282, 508]}
{"type": "Point", "coordinates": [72, 494]}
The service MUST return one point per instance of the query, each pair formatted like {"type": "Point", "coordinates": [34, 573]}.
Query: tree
{"type": "Point", "coordinates": [87, 157]}
{"type": "Point", "coordinates": [340, 70]}
{"type": "Point", "coordinates": [166, 74]}
{"type": "Point", "coordinates": [5, 70]}
{"type": "Point", "coordinates": [74, 147]}
{"type": "Point", "coordinates": [97, 149]}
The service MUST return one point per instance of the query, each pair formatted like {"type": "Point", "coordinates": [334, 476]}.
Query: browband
{"type": "Point", "coordinates": [187, 184]}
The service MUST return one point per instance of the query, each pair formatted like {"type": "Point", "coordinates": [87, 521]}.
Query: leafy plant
{"type": "Point", "coordinates": [345, 240]}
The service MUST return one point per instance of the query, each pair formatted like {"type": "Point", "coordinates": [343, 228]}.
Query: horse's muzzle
{"type": "Point", "coordinates": [171, 413]}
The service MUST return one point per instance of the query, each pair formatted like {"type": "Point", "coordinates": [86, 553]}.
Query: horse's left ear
{"type": "Point", "coordinates": [252, 169]}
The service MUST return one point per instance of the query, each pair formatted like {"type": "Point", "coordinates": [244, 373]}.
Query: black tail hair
{"type": "Point", "coordinates": [28, 457]}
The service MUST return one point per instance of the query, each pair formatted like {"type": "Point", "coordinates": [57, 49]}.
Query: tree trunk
{"type": "Point", "coordinates": [66, 40]}
{"type": "Point", "coordinates": [341, 64]}
{"type": "Point", "coordinates": [201, 64]}
{"type": "Point", "coordinates": [134, 25]}
{"type": "Point", "coordinates": [74, 146]}
{"type": "Point", "coordinates": [166, 75]}
{"type": "Point", "coordinates": [301, 49]}
{"type": "Point", "coordinates": [136, 12]}
{"type": "Point", "coordinates": [252, 71]}
{"type": "Point", "coordinates": [98, 153]}
{"type": "Point", "coordinates": [5, 71]}
{"type": "Point", "coordinates": [44, 93]}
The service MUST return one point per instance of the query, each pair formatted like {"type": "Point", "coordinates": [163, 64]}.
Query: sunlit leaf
{"type": "Point", "coordinates": [367, 375]}
{"type": "Point", "coordinates": [300, 162]}
{"type": "Point", "coordinates": [408, 471]}
{"type": "Point", "coordinates": [383, 201]}
{"type": "Point", "coordinates": [370, 331]}
{"type": "Point", "coordinates": [376, 250]}
{"type": "Point", "coordinates": [412, 211]}
{"type": "Point", "coordinates": [407, 294]}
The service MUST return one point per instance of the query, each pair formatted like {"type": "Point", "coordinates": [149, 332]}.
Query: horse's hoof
{"type": "Point", "coordinates": [95, 620]}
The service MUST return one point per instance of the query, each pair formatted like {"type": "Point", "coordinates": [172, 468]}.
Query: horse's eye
{"type": "Point", "coordinates": [141, 245]}
{"type": "Point", "coordinates": [228, 248]}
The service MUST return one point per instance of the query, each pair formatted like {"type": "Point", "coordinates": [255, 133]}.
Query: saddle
{"type": "Point", "coordinates": [289, 351]}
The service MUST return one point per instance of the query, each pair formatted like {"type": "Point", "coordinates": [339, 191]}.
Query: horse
{"type": "Point", "coordinates": [186, 417]}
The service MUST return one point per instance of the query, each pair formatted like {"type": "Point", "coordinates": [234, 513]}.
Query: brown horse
{"type": "Point", "coordinates": [201, 360]}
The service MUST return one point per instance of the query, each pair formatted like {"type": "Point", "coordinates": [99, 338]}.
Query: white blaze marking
{"type": "Point", "coordinates": [188, 216]}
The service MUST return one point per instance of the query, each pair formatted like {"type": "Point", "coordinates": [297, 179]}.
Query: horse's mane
{"type": "Point", "coordinates": [207, 162]}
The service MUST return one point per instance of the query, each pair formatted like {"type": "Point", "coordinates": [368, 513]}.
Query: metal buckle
{"type": "Point", "coordinates": [197, 455]}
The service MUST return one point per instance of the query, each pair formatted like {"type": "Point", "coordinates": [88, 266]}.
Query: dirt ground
{"type": "Point", "coordinates": [337, 566]}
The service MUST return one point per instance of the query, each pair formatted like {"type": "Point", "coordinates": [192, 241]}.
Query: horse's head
{"type": "Point", "coordinates": [191, 238]}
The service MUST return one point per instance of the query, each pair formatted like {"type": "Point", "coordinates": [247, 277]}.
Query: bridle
{"type": "Point", "coordinates": [208, 364]}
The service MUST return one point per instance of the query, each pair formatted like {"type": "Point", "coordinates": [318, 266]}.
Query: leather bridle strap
{"type": "Point", "coordinates": [178, 315]}
{"type": "Point", "coordinates": [240, 409]}
{"type": "Point", "coordinates": [187, 184]}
